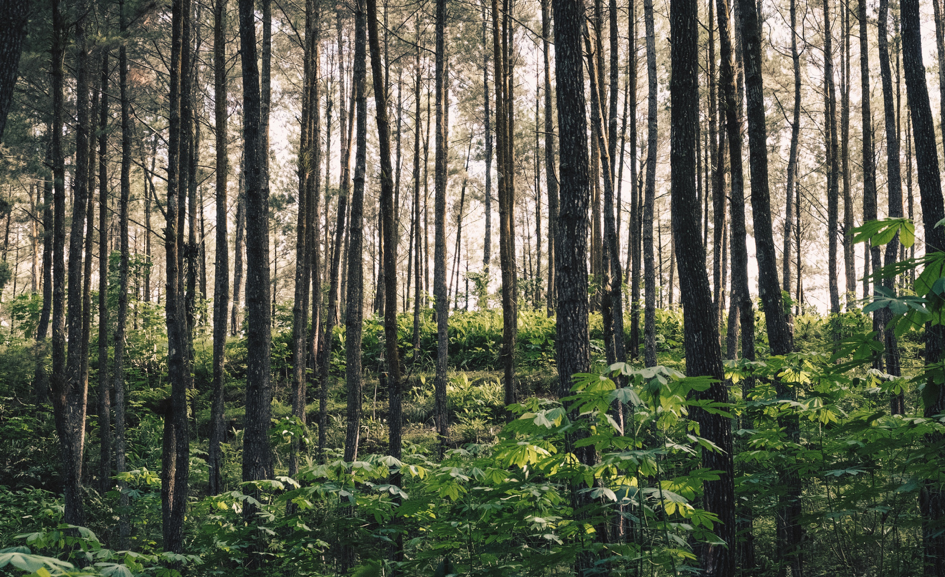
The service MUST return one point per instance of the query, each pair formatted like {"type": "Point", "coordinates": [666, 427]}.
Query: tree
{"type": "Point", "coordinates": [894, 194]}
{"type": "Point", "coordinates": [703, 351]}
{"type": "Point", "coordinates": [932, 498]}
{"type": "Point", "coordinates": [830, 103]}
{"type": "Point", "coordinates": [257, 454]}
{"type": "Point", "coordinates": [649, 275]}
{"type": "Point", "coordinates": [769, 287]}
{"type": "Point", "coordinates": [440, 294]}
{"type": "Point", "coordinates": [355, 312]}
{"type": "Point", "coordinates": [176, 451]}
{"type": "Point", "coordinates": [122, 316]}
{"type": "Point", "coordinates": [221, 280]}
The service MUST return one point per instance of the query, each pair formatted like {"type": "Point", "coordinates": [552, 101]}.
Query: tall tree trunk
{"type": "Point", "coordinates": [869, 170]}
{"type": "Point", "coordinates": [124, 528]}
{"type": "Point", "coordinates": [551, 178]}
{"type": "Point", "coordinates": [506, 199]}
{"type": "Point", "coordinates": [257, 454]}
{"type": "Point", "coordinates": [830, 103]}
{"type": "Point", "coordinates": [487, 129]}
{"type": "Point", "coordinates": [238, 250]}
{"type": "Point", "coordinates": [894, 195]}
{"type": "Point", "coordinates": [849, 259]}
{"type": "Point", "coordinates": [40, 376]}
{"type": "Point", "coordinates": [417, 248]}
{"type": "Point", "coordinates": [573, 339]}
{"type": "Point", "coordinates": [792, 157]}
{"type": "Point", "coordinates": [440, 296]}
{"type": "Point", "coordinates": [634, 237]}
{"type": "Point", "coordinates": [932, 498]}
{"type": "Point", "coordinates": [69, 389]}
{"type": "Point", "coordinates": [703, 353]}
{"type": "Point", "coordinates": [779, 334]}
{"type": "Point", "coordinates": [221, 273]}
{"type": "Point", "coordinates": [176, 451]}
{"type": "Point", "coordinates": [104, 384]}
{"type": "Point", "coordinates": [355, 311]}
{"type": "Point", "coordinates": [649, 280]}
{"type": "Point", "coordinates": [304, 236]}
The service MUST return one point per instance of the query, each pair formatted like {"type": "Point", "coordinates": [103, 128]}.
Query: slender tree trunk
{"type": "Point", "coordinates": [221, 273]}
{"type": "Point", "coordinates": [849, 259]}
{"type": "Point", "coordinates": [487, 129]}
{"type": "Point", "coordinates": [506, 199]}
{"type": "Point", "coordinates": [551, 178]}
{"type": "Point", "coordinates": [417, 248]}
{"type": "Point", "coordinates": [792, 157]}
{"type": "Point", "coordinates": [440, 296]}
{"type": "Point", "coordinates": [355, 310]}
{"type": "Point", "coordinates": [832, 145]}
{"type": "Point", "coordinates": [649, 320]}
{"type": "Point", "coordinates": [104, 384]}
{"type": "Point", "coordinates": [869, 170]}
{"type": "Point", "coordinates": [176, 451]}
{"type": "Point", "coordinates": [41, 377]}
{"type": "Point", "coordinates": [238, 250]}
{"type": "Point", "coordinates": [894, 195]}
{"type": "Point", "coordinates": [124, 527]}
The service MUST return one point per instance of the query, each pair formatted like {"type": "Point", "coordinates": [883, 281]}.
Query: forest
{"type": "Point", "coordinates": [451, 287]}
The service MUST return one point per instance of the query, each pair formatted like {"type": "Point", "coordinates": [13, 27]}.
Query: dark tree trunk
{"type": "Point", "coordinates": [355, 310]}
{"type": "Point", "coordinates": [551, 178]}
{"type": "Point", "coordinates": [703, 354]}
{"type": "Point", "coordinates": [769, 287]}
{"type": "Point", "coordinates": [932, 498]}
{"type": "Point", "coordinates": [792, 158]}
{"type": "Point", "coordinates": [69, 389]}
{"type": "Point", "coordinates": [869, 171]}
{"type": "Point", "coordinates": [417, 249]}
{"type": "Point", "coordinates": [440, 296]}
{"type": "Point", "coordinates": [14, 17]}
{"type": "Point", "coordinates": [573, 341]}
{"type": "Point", "coordinates": [304, 235]}
{"type": "Point", "coordinates": [104, 384]}
{"type": "Point", "coordinates": [649, 280]}
{"type": "Point", "coordinates": [894, 194]}
{"type": "Point", "coordinates": [849, 258]}
{"type": "Point", "coordinates": [257, 454]}
{"type": "Point", "coordinates": [124, 527]}
{"type": "Point", "coordinates": [221, 274]}
{"type": "Point", "coordinates": [830, 103]}
{"type": "Point", "coordinates": [41, 377]}
{"type": "Point", "coordinates": [176, 451]}
{"type": "Point", "coordinates": [506, 199]}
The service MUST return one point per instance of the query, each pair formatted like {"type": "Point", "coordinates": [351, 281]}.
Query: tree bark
{"type": "Point", "coordinates": [104, 384]}
{"type": "Point", "coordinates": [124, 528]}
{"type": "Point", "coordinates": [355, 312]}
{"type": "Point", "coordinates": [221, 273]}
{"type": "Point", "coordinates": [703, 353]}
{"type": "Point", "coordinates": [176, 451]}
{"type": "Point", "coordinates": [440, 295]}
{"type": "Point", "coordinates": [257, 454]}
{"type": "Point", "coordinates": [551, 178]}
{"type": "Point", "coordinates": [932, 498]}
{"type": "Point", "coordinates": [649, 275]}
{"type": "Point", "coordinates": [830, 103]}
{"type": "Point", "coordinates": [14, 17]}
{"type": "Point", "coordinates": [894, 195]}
